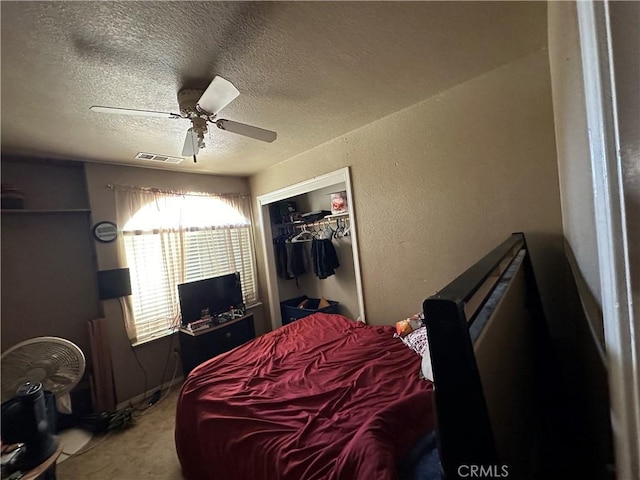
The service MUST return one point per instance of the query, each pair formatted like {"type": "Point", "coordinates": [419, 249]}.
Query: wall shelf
{"type": "Point", "coordinates": [19, 211]}
{"type": "Point", "coordinates": [325, 219]}
{"type": "Point", "coordinates": [336, 215]}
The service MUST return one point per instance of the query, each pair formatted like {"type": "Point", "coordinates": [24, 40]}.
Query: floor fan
{"type": "Point", "coordinates": [55, 363]}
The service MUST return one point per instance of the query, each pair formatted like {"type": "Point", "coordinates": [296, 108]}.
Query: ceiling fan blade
{"type": "Point", "coordinates": [132, 111]}
{"type": "Point", "coordinates": [190, 144]}
{"type": "Point", "coordinates": [218, 95]}
{"type": "Point", "coordinates": [247, 130]}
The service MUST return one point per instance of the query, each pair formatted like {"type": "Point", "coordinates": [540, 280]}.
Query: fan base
{"type": "Point", "coordinates": [73, 440]}
{"type": "Point", "coordinates": [187, 100]}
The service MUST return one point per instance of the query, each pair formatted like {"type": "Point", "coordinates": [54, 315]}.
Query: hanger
{"type": "Point", "coordinates": [300, 237]}
{"type": "Point", "coordinates": [328, 232]}
{"type": "Point", "coordinates": [345, 231]}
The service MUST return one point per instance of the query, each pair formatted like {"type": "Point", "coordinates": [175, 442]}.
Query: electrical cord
{"type": "Point", "coordinates": [135, 354]}
{"type": "Point", "coordinates": [158, 394]}
{"type": "Point", "coordinates": [144, 372]}
{"type": "Point", "coordinates": [141, 413]}
{"type": "Point", "coordinates": [166, 362]}
{"type": "Point", "coordinates": [148, 400]}
{"type": "Point", "coordinates": [173, 377]}
{"type": "Point", "coordinates": [104, 422]}
{"type": "Point", "coordinates": [123, 418]}
{"type": "Point", "coordinates": [107, 421]}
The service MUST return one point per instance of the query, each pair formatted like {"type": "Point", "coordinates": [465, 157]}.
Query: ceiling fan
{"type": "Point", "coordinates": [201, 108]}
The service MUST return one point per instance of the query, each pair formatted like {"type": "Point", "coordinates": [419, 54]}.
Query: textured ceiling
{"type": "Point", "coordinates": [309, 70]}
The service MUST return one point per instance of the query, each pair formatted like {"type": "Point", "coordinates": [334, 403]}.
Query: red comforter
{"type": "Point", "coordinates": [321, 398]}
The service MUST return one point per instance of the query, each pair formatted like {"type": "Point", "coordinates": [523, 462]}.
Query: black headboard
{"type": "Point", "coordinates": [463, 425]}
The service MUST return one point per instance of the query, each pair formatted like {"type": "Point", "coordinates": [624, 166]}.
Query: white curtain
{"type": "Point", "coordinates": [165, 220]}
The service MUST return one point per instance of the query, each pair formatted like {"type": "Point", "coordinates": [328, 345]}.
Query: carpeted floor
{"type": "Point", "coordinates": [143, 451]}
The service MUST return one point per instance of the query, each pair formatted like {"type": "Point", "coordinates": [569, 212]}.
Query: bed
{"type": "Point", "coordinates": [329, 398]}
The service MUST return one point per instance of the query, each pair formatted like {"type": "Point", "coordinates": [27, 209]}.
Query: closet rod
{"type": "Point", "coordinates": [323, 221]}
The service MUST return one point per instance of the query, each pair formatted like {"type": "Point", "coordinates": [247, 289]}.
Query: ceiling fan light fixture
{"type": "Point", "coordinates": [200, 108]}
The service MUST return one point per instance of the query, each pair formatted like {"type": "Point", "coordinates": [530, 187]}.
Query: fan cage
{"type": "Point", "coordinates": [55, 362]}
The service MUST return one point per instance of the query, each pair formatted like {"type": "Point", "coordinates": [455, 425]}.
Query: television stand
{"type": "Point", "coordinates": [198, 346]}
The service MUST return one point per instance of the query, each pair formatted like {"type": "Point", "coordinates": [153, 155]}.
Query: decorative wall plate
{"type": "Point", "coordinates": [105, 231]}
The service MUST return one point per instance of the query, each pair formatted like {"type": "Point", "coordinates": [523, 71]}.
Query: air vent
{"type": "Point", "coordinates": [158, 158]}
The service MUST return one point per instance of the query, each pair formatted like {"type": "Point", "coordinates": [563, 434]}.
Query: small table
{"type": "Point", "coordinates": [46, 470]}
{"type": "Point", "coordinates": [199, 346]}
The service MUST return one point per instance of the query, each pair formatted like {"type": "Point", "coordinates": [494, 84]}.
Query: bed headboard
{"type": "Point", "coordinates": [483, 329]}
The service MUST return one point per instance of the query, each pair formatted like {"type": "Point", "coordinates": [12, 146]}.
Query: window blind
{"type": "Point", "coordinates": [159, 261]}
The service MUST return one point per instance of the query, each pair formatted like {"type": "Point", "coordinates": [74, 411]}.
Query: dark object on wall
{"type": "Point", "coordinates": [105, 232]}
{"type": "Point", "coordinates": [114, 283]}
{"type": "Point", "coordinates": [291, 312]}
{"type": "Point", "coordinates": [12, 197]}
{"type": "Point", "coordinates": [25, 420]}
{"type": "Point", "coordinates": [9, 203]}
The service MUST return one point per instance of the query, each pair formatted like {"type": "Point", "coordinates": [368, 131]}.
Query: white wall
{"type": "Point", "coordinates": [440, 183]}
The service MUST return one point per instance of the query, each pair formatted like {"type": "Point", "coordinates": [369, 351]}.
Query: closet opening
{"type": "Point", "coordinates": [303, 226]}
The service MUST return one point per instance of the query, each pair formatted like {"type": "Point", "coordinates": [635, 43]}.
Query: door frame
{"type": "Point", "coordinates": [310, 185]}
{"type": "Point", "coordinates": [619, 316]}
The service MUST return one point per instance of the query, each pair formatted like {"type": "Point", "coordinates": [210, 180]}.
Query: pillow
{"type": "Point", "coordinates": [418, 341]}
{"type": "Point", "coordinates": [426, 368]}
{"type": "Point", "coordinates": [408, 325]}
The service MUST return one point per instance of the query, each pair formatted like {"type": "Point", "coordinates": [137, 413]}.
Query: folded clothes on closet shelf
{"type": "Point", "coordinates": [314, 216]}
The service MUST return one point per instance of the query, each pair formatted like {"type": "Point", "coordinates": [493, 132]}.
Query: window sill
{"type": "Point", "coordinates": [173, 331]}
{"type": "Point", "coordinates": [160, 336]}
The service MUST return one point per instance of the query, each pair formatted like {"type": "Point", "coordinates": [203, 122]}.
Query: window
{"type": "Point", "coordinates": [177, 239]}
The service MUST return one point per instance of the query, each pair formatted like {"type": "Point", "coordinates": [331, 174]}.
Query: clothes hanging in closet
{"type": "Point", "coordinates": [297, 259]}
{"type": "Point", "coordinates": [282, 260]}
{"type": "Point", "coordinates": [324, 258]}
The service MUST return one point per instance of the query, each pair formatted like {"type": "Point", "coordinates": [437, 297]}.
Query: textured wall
{"type": "Point", "coordinates": [48, 270]}
{"type": "Point", "coordinates": [438, 184]}
{"type": "Point", "coordinates": [128, 376]}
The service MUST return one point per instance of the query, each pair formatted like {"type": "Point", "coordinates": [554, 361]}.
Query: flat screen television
{"type": "Point", "coordinates": [217, 294]}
